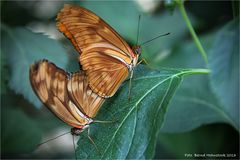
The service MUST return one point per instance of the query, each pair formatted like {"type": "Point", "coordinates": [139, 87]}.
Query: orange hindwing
{"type": "Point", "coordinates": [69, 97]}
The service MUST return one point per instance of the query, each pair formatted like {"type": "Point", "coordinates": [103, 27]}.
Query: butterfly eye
{"type": "Point", "coordinates": [137, 49]}
{"type": "Point", "coordinates": [76, 131]}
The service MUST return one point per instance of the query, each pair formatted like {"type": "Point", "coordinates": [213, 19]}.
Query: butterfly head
{"type": "Point", "coordinates": [78, 131]}
{"type": "Point", "coordinates": [137, 49]}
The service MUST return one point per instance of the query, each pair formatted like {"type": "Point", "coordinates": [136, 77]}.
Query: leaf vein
{"type": "Point", "coordinates": [110, 142]}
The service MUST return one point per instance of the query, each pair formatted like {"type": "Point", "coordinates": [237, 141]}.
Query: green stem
{"type": "Point", "coordinates": [235, 9]}
{"type": "Point", "coordinates": [197, 71]}
{"type": "Point", "coordinates": [193, 71]}
{"type": "Point", "coordinates": [189, 25]}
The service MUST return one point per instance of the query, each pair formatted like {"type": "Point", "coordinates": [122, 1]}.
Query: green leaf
{"type": "Point", "coordinates": [137, 122]}
{"type": "Point", "coordinates": [194, 103]}
{"type": "Point", "coordinates": [19, 134]}
{"type": "Point", "coordinates": [22, 48]}
{"type": "Point", "coordinates": [224, 63]}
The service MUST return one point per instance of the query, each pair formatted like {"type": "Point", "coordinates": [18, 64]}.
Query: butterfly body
{"type": "Point", "coordinates": [78, 131]}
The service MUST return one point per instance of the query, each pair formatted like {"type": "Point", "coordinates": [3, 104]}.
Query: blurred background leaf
{"type": "Point", "coordinates": [19, 132]}
{"type": "Point", "coordinates": [194, 99]}
{"type": "Point", "coordinates": [224, 63]}
{"type": "Point", "coordinates": [23, 48]}
{"type": "Point", "coordinates": [23, 126]}
{"type": "Point", "coordinates": [14, 135]}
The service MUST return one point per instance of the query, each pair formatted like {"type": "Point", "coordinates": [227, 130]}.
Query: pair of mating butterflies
{"type": "Point", "coordinates": [106, 61]}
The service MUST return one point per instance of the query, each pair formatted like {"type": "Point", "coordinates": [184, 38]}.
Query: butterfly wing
{"type": "Point", "coordinates": [105, 74]}
{"type": "Point", "coordinates": [100, 47]}
{"type": "Point", "coordinates": [50, 84]}
{"type": "Point", "coordinates": [82, 95]}
{"type": "Point", "coordinates": [85, 30]}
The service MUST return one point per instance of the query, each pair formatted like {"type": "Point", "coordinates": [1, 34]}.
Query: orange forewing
{"type": "Point", "coordinates": [57, 90]}
{"type": "Point", "coordinates": [105, 56]}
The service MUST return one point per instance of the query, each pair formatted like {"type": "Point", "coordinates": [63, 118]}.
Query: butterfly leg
{"type": "Point", "coordinates": [74, 147]}
{"type": "Point", "coordinates": [147, 63]}
{"type": "Point", "coordinates": [52, 139]}
{"type": "Point", "coordinates": [140, 61]}
{"type": "Point", "coordinates": [88, 135]}
{"type": "Point", "coordinates": [130, 85]}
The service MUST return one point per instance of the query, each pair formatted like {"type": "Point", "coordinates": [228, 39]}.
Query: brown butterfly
{"type": "Point", "coordinates": [68, 96]}
{"type": "Point", "coordinates": [104, 55]}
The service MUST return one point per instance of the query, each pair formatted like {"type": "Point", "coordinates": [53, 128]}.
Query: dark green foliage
{"type": "Point", "coordinates": [205, 139]}
{"type": "Point", "coordinates": [4, 73]}
{"type": "Point", "coordinates": [19, 133]}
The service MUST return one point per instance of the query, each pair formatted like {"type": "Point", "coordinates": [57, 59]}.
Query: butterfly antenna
{"type": "Point", "coordinates": [138, 31]}
{"type": "Point", "coordinates": [74, 147]}
{"type": "Point", "coordinates": [88, 135]}
{"type": "Point", "coordinates": [154, 38]}
{"type": "Point", "coordinates": [53, 139]}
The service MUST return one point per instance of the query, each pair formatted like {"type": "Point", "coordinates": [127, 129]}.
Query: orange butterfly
{"type": "Point", "coordinates": [104, 55]}
{"type": "Point", "coordinates": [68, 96]}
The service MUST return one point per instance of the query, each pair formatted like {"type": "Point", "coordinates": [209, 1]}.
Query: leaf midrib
{"type": "Point", "coordinates": [159, 107]}
{"type": "Point", "coordinates": [170, 77]}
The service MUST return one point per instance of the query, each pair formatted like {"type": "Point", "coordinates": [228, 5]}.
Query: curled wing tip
{"type": "Point", "coordinates": [72, 6]}
{"type": "Point", "coordinates": [35, 66]}
{"type": "Point", "coordinates": [65, 8]}
{"type": "Point", "coordinates": [61, 27]}
{"type": "Point", "coordinates": [67, 5]}
{"type": "Point", "coordinates": [44, 63]}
